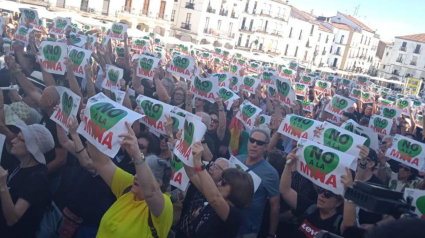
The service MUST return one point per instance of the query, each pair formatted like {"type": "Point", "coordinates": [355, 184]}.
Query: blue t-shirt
{"type": "Point", "coordinates": [269, 187]}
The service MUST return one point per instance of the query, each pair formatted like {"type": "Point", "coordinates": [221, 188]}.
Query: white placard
{"type": "Point", "coordinates": [239, 165]}
{"type": "Point", "coordinates": [407, 151]}
{"type": "Point", "coordinates": [297, 127]}
{"type": "Point", "coordinates": [68, 107]}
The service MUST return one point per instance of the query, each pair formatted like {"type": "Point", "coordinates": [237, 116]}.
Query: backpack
{"type": "Point", "coordinates": [313, 208]}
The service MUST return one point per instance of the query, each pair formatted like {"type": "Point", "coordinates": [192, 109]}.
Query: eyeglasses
{"type": "Point", "coordinates": [326, 193]}
{"type": "Point", "coordinates": [223, 181]}
{"type": "Point", "coordinates": [406, 169]}
{"type": "Point", "coordinates": [215, 166]}
{"type": "Point", "coordinates": [384, 142]}
{"type": "Point", "coordinates": [259, 142]}
{"type": "Point", "coordinates": [161, 138]}
{"type": "Point", "coordinates": [142, 147]}
{"type": "Point", "coordinates": [215, 121]}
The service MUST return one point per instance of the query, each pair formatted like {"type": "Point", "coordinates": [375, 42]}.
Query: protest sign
{"type": "Point", "coordinates": [79, 57]}
{"type": "Point", "coordinates": [404, 104]}
{"type": "Point", "coordinates": [407, 151]}
{"type": "Point", "coordinates": [78, 40]}
{"type": "Point", "coordinates": [193, 131]}
{"type": "Point", "coordinates": [249, 84]}
{"type": "Point", "coordinates": [247, 113]}
{"type": "Point", "coordinates": [205, 88]}
{"type": "Point", "coordinates": [380, 124]}
{"type": "Point", "coordinates": [235, 83]}
{"type": "Point", "coordinates": [68, 107]}
{"type": "Point", "coordinates": [300, 89]}
{"type": "Point", "coordinates": [240, 62]}
{"type": "Point", "coordinates": [268, 77]}
{"type": "Point", "coordinates": [390, 113]}
{"type": "Point", "coordinates": [307, 80]}
{"type": "Point", "coordinates": [205, 56]}
{"type": "Point", "coordinates": [355, 93]}
{"type": "Point", "coordinates": [140, 44]}
{"type": "Point", "coordinates": [91, 40]}
{"type": "Point", "coordinates": [223, 79]}
{"type": "Point", "coordinates": [339, 139]}
{"type": "Point", "coordinates": [147, 66]}
{"type": "Point", "coordinates": [52, 57]}
{"type": "Point", "coordinates": [331, 78]}
{"type": "Point", "coordinates": [103, 45]}
{"type": "Point", "coordinates": [287, 73]}
{"type": "Point", "coordinates": [118, 30]}
{"type": "Point", "coordinates": [117, 95]}
{"type": "Point", "coordinates": [103, 121]}
{"type": "Point", "coordinates": [293, 65]}
{"type": "Point", "coordinates": [345, 82]}
{"type": "Point", "coordinates": [384, 102]}
{"type": "Point", "coordinates": [371, 136]}
{"type": "Point", "coordinates": [182, 66]}
{"type": "Point", "coordinates": [23, 35]}
{"type": "Point", "coordinates": [362, 80]}
{"type": "Point", "coordinates": [59, 26]}
{"type": "Point", "coordinates": [155, 112]}
{"type": "Point", "coordinates": [234, 69]}
{"type": "Point", "coordinates": [297, 127]}
{"type": "Point", "coordinates": [338, 105]}
{"type": "Point", "coordinates": [285, 93]}
{"type": "Point", "coordinates": [322, 165]}
{"type": "Point", "coordinates": [307, 106]}
{"type": "Point", "coordinates": [228, 97]}
{"type": "Point", "coordinates": [419, 121]}
{"type": "Point", "coordinates": [418, 200]}
{"type": "Point", "coordinates": [29, 16]}
{"type": "Point", "coordinates": [366, 97]}
{"type": "Point", "coordinates": [241, 166]}
{"type": "Point", "coordinates": [113, 77]}
{"type": "Point", "coordinates": [179, 178]}
{"type": "Point", "coordinates": [265, 120]}
{"type": "Point", "coordinates": [322, 86]}
{"type": "Point", "coordinates": [254, 67]}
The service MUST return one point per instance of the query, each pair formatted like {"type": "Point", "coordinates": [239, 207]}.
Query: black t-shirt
{"type": "Point", "coordinates": [312, 223]}
{"type": "Point", "coordinates": [370, 217]}
{"type": "Point", "coordinates": [210, 143]}
{"type": "Point", "coordinates": [218, 143]}
{"type": "Point", "coordinates": [209, 224]}
{"type": "Point", "coordinates": [30, 184]}
{"type": "Point", "coordinates": [193, 201]}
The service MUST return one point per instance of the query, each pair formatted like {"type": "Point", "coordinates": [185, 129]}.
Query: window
{"type": "Point", "coordinates": [403, 46]}
{"type": "Point", "coordinates": [338, 51]}
{"type": "Point", "coordinates": [361, 41]}
{"type": "Point", "coordinates": [207, 22]}
{"type": "Point", "coordinates": [219, 25]}
{"type": "Point", "coordinates": [247, 41]}
{"type": "Point", "coordinates": [240, 40]}
{"type": "Point", "coordinates": [331, 50]}
{"type": "Point", "coordinates": [173, 13]}
{"type": "Point", "coordinates": [342, 40]}
{"type": "Point", "coordinates": [290, 33]}
{"type": "Point", "coordinates": [301, 35]}
{"type": "Point", "coordinates": [387, 53]}
{"type": "Point", "coordinates": [417, 49]}
{"type": "Point", "coordinates": [230, 28]}
{"type": "Point", "coordinates": [414, 60]}
{"type": "Point", "coordinates": [188, 16]}
{"type": "Point", "coordinates": [312, 30]}
{"type": "Point", "coordinates": [327, 39]}
{"type": "Point", "coordinates": [286, 50]}
{"type": "Point", "coordinates": [400, 58]}
{"type": "Point", "coordinates": [296, 51]}
{"type": "Point", "coordinates": [320, 36]}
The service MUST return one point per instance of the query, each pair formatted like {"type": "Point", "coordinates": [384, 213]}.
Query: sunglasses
{"type": "Point", "coordinates": [161, 138]}
{"type": "Point", "coordinates": [259, 142]}
{"type": "Point", "coordinates": [384, 142]}
{"type": "Point", "coordinates": [215, 121]}
{"type": "Point", "coordinates": [406, 169]}
{"type": "Point", "coordinates": [326, 193]}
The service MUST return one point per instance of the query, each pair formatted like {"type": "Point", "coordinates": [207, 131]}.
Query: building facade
{"type": "Point", "coordinates": [404, 59]}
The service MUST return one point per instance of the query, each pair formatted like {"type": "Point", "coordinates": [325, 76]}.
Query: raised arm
{"type": "Point", "coordinates": [3, 128]}
{"type": "Point", "coordinates": [221, 130]}
{"type": "Point", "coordinates": [90, 85]}
{"type": "Point", "coordinates": [288, 194]}
{"type": "Point", "coordinates": [70, 76]}
{"type": "Point", "coordinates": [160, 89]}
{"type": "Point", "coordinates": [79, 148]}
{"type": "Point", "coordinates": [349, 214]}
{"type": "Point", "coordinates": [126, 52]}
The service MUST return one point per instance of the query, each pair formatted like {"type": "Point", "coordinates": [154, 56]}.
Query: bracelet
{"type": "Point", "coordinates": [143, 159]}
{"type": "Point", "coordinates": [15, 70]}
{"type": "Point", "coordinates": [77, 152]}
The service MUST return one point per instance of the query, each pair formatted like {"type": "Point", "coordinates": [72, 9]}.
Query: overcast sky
{"type": "Point", "coordinates": [390, 17]}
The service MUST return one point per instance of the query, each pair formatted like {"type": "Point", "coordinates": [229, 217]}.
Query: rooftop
{"type": "Point", "coordinates": [323, 28]}
{"type": "Point", "coordinates": [417, 37]}
{"type": "Point", "coordinates": [301, 15]}
{"type": "Point", "coordinates": [357, 22]}
{"type": "Point", "coordinates": [341, 26]}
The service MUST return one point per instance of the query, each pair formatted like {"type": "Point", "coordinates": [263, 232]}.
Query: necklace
{"type": "Point", "coordinates": [14, 173]}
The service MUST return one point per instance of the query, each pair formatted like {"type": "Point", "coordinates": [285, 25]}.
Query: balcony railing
{"type": "Point", "coordinates": [247, 29]}
{"type": "Point", "coordinates": [127, 9]}
{"type": "Point", "coordinates": [210, 10]}
{"type": "Point", "coordinates": [417, 51]}
{"type": "Point", "coordinates": [337, 53]}
{"type": "Point", "coordinates": [219, 33]}
{"type": "Point", "coordinates": [234, 16]}
{"type": "Point", "coordinates": [413, 63]}
{"type": "Point", "coordinates": [280, 17]}
{"type": "Point", "coordinates": [190, 5]}
{"type": "Point", "coordinates": [265, 13]}
{"type": "Point", "coordinates": [277, 33]}
{"type": "Point", "coordinates": [399, 60]}
{"type": "Point", "coordinates": [262, 30]}
{"type": "Point", "coordinates": [143, 13]}
{"type": "Point", "coordinates": [224, 13]}
{"type": "Point", "coordinates": [186, 26]}
{"type": "Point", "coordinates": [403, 49]}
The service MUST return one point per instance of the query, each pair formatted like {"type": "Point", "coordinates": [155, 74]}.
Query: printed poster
{"type": "Point", "coordinates": [297, 127]}
{"type": "Point", "coordinates": [103, 45]}
{"type": "Point", "coordinates": [117, 95]}
{"type": "Point", "coordinates": [404, 104]}
{"type": "Point", "coordinates": [249, 84]}
{"type": "Point", "coordinates": [182, 66]}
{"type": "Point", "coordinates": [29, 16]}
{"type": "Point", "coordinates": [307, 106]}
{"type": "Point", "coordinates": [113, 77]}
{"type": "Point", "coordinates": [239, 165]}
{"type": "Point", "coordinates": [52, 57]}
{"type": "Point", "coordinates": [155, 112]}
{"type": "Point", "coordinates": [338, 105]}
{"type": "Point", "coordinates": [103, 121]}
{"type": "Point", "coordinates": [371, 136]}
{"type": "Point", "coordinates": [300, 89]}
{"type": "Point", "coordinates": [205, 88]}
{"type": "Point", "coordinates": [390, 113]}
{"type": "Point", "coordinates": [355, 94]}
{"type": "Point", "coordinates": [268, 78]}
{"type": "Point", "coordinates": [23, 35]}
{"type": "Point", "coordinates": [247, 113]}
{"type": "Point", "coordinates": [407, 151]}
{"type": "Point", "coordinates": [59, 25]}
{"type": "Point", "coordinates": [307, 80]}
{"type": "Point", "coordinates": [285, 93]}
{"type": "Point", "coordinates": [362, 81]}
{"type": "Point", "coordinates": [367, 97]}
{"type": "Point", "coordinates": [381, 125]}
{"type": "Point", "coordinates": [91, 40]}
{"type": "Point", "coordinates": [117, 31]}
{"type": "Point", "coordinates": [79, 57]}
{"type": "Point", "coordinates": [265, 120]}
{"type": "Point", "coordinates": [322, 86]}
{"type": "Point", "coordinates": [179, 178]}
{"type": "Point", "coordinates": [418, 200]}
{"type": "Point", "coordinates": [140, 44]}
{"type": "Point", "coordinates": [228, 97]}
{"type": "Point", "coordinates": [223, 79]}
{"type": "Point", "coordinates": [68, 107]}
{"type": "Point", "coordinates": [147, 66]}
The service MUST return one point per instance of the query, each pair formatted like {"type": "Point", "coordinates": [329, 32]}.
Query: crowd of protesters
{"type": "Point", "coordinates": [57, 184]}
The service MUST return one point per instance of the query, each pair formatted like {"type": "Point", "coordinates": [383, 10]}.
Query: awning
{"type": "Point", "coordinates": [387, 80]}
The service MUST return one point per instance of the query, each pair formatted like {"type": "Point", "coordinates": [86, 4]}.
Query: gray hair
{"type": "Point", "coordinates": [230, 165]}
{"type": "Point", "coordinates": [206, 119]}
{"type": "Point", "coordinates": [261, 131]}
{"type": "Point", "coordinates": [161, 169]}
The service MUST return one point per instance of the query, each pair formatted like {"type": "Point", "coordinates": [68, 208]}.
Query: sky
{"type": "Point", "coordinates": [390, 17]}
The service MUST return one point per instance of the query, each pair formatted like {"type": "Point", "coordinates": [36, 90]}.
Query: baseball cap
{"type": "Point", "coordinates": [38, 140]}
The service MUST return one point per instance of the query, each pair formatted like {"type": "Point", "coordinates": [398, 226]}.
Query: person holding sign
{"type": "Point", "coordinates": [325, 214]}
{"type": "Point", "coordinates": [217, 130]}
{"type": "Point", "coordinates": [222, 216]}
{"type": "Point", "coordinates": [141, 199]}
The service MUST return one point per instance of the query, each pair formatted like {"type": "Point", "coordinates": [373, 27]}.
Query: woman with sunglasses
{"type": "Point", "coordinates": [325, 213]}
{"type": "Point", "coordinates": [221, 216]}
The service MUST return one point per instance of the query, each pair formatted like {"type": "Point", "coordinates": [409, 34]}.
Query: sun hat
{"type": "Point", "coordinates": [38, 140]}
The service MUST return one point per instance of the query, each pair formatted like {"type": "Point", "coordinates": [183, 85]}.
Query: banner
{"type": "Point", "coordinates": [179, 178]}
{"type": "Point", "coordinates": [355, 93]}
{"type": "Point", "coordinates": [300, 89]}
{"type": "Point", "coordinates": [147, 66]}
{"type": "Point", "coordinates": [285, 93]}
{"type": "Point", "coordinates": [155, 112]}
{"type": "Point", "coordinates": [322, 86]}
{"type": "Point", "coordinates": [268, 77]}
{"type": "Point", "coordinates": [228, 97]}
{"type": "Point", "coordinates": [79, 57]}
{"type": "Point", "coordinates": [322, 165]}
{"type": "Point", "coordinates": [407, 151]}
{"type": "Point", "coordinates": [182, 65]}
{"type": "Point", "coordinates": [415, 84]}
{"type": "Point", "coordinates": [59, 25]}
{"type": "Point", "coordinates": [68, 107]}
{"type": "Point", "coordinates": [23, 35]}
{"type": "Point", "coordinates": [52, 57]}
{"type": "Point", "coordinates": [367, 97]}
{"type": "Point", "coordinates": [239, 165]}
{"type": "Point", "coordinates": [140, 44]}
{"type": "Point", "coordinates": [381, 125]}
{"type": "Point", "coordinates": [223, 79]}
{"type": "Point", "coordinates": [362, 80]}
{"type": "Point", "coordinates": [338, 105]}
{"type": "Point", "coordinates": [390, 113]}
{"type": "Point", "coordinates": [249, 84]}
{"type": "Point", "coordinates": [297, 127]}
{"type": "Point", "coordinates": [418, 200]}
{"type": "Point", "coordinates": [193, 131]}
{"type": "Point", "coordinates": [117, 31]}
{"type": "Point", "coordinates": [247, 113]}
{"type": "Point", "coordinates": [103, 121]}
{"type": "Point", "coordinates": [205, 88]}
{"type": "Point", "coordinates": [384, 102]}
{"type": "Point", "coordinates": [29, 16]}
{"type": "Point", "coordinates": [113, 77]}
{"type": "Point", "coordinates": [307, 106]}
{"type": "Point", "coordinates": [404, 105]}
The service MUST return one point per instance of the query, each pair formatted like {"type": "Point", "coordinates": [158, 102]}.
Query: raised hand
{"type": "Point", "coordinates": [129, 143]}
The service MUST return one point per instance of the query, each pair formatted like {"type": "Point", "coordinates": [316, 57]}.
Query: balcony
{"type": "Point", "coordinates": [280, 17]}
{"type": "Point", "coordinates": [403, 49]}
{"type": "Point", "coordinates": [323, 52]}
{"type": "Point", "coordinates": [126, 9]}
{"type": "Point", "coordinates": [234, 15]}
{"type": "Point", "coordinates": [220, 34]}
{"type": "Point", "coordinates": [262, 30]}
{"type": "Point", "coordinates": [210, 10]}
{"type": "Point", "coordinates": [277, 33]}
{"type": "Point", "coordinates": [417, 51]}
{"type": "Point", "coordinates": [395, 73]}
{"type": "Point", "coordinates": [190, 5]}
{"type": "Point", "coordinates": [337, 53]}
{"type": "Point", "coordinates": [413, 63]}
{"type": "Point", "coordinates": [245, 29]}
{"type": "Point", "coordinates": [399, 60]}
{"type": "Point", "coordinates": [223, 13]}
{"type": "Point", "coordinates": [265, 13]}
{"type": "Point", "coordinates": [186, 26]}
{"type": "Point", "coordinates": [143, 13]}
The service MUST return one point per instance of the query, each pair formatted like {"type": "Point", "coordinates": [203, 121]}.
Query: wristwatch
{"type": "Point", "coordinates": [143, 159]}
{"type": "Point", "coordinates": [203, 167]}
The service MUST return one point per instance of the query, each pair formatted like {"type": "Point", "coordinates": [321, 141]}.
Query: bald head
{"type": "Point", "coordinates": [49, 98]}
{"type": "Point", "coordinates": [206, 119]}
